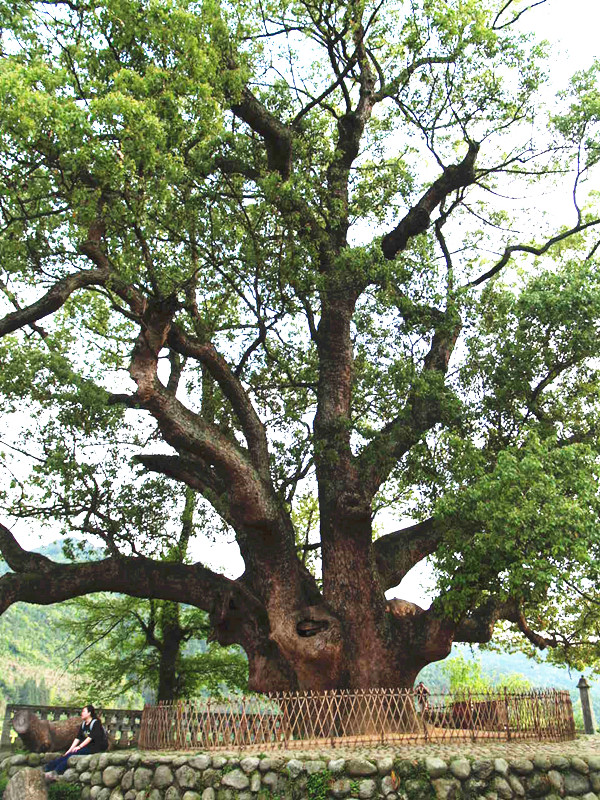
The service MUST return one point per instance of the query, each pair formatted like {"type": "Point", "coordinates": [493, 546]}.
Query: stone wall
{"type": "Point", "coordinates": [152, 776]}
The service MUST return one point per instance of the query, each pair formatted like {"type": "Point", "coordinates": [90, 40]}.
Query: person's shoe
{"type": "Point", "coordinates": [51, 776]}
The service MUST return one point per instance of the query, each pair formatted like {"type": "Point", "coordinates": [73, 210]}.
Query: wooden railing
{"type": "Point", "coordinates": [342, 718]}
{"type": "Point", "coordinates": [122, 724]}
{"type": "Point", "coordinates": [352, 718]}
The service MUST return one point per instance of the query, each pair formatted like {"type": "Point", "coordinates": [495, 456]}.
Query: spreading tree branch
{"type": "Point", "coordinates": [190, 433]}
{"type": "Point", "coordinates": [54, 298]}
{"type": "Point", "coordinates": [541, 642]}
{"type": "Point", "coordinates": [418, 218]}
{"type": "Point", "coordinates": [195, 473]}
{"type": "Point", "coordinates": [536, 251]}
{"type": "Point", "coordinates": [421, 412]}
{"type": "Point", "coordinates": [396, 553]}
{"type": "Point", "coordinates": [277, 137]}
{"type": "Point", "coordinates": [39, 580]}
{"type": "Point", "coordinates": [478, 626]}
{"type": "Point", "coordinates": [18, 559]}
{"type": "Point", "coordinates": [232, 388]}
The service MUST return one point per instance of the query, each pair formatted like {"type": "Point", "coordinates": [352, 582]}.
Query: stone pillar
{"type": "Point", "coordinates": [589, 721]}
{"type": "Point", "coordinates": [6, 727]}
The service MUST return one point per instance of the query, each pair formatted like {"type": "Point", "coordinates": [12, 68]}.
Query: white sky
{"type": "Point", "coordinates": [572, 28]}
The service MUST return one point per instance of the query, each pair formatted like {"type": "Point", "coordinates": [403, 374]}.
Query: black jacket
{"type": "Point", "coordinates": [97, 734]}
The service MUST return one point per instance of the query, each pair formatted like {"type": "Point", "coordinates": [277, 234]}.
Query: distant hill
{"type": "Point", "coordinates": [494, 665]}
{"type": "Point", "coordinates": [34, 652]}
{"type": "Point", "coordinates": [53, 551]}
{"type": "Point", "coordinates": [34, 655]}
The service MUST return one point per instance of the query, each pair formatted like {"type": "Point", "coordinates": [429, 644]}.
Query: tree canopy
{"type": "Point", "coordinates": [287, 249]}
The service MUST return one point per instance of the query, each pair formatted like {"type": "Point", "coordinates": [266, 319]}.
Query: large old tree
{"type": "Point", "coordinates": [286, 234]}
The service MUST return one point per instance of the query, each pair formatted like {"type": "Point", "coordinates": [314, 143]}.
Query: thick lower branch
{"type": "Point", "coordinates": [478, 626]}
{"type": "Point", "coordinates": [426, 635]}
{"type": "Point", "coordinates": [36, 579]}
{"type": "Point", "coordinates": [541, 642]}
{"type": "Point", "coordinates": [232, 388]}
{"type": "Point", "coordinates": [17, 558]}
{"type": "Point", "coordinates": [236, 615]}
{"type": "Point", "coordinates": [54, 298]}
{"type": "Point", "coordinates": [398, 552]}
{"type": "Point", "coordinates": [196, 474]}
{"type": "Point", "coordinates": [251, 499]}
{"type": "Point", "coordinates": [277, 137]}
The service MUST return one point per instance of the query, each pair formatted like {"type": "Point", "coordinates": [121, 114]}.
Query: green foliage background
{"type": "Point", "coordinates": [38, 666]}
{"type": "Point", "coordinates": [482, 670]}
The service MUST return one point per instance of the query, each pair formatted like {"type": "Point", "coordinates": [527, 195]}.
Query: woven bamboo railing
{"type": "Point", "coordinates": [350, 718]}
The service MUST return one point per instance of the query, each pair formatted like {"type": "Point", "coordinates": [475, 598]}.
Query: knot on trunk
{"type": "Point", "coordinates": [310, 640]}
{"type": "Point", "coordinates": [311, 620]}
{"type": "Point", "coordinates": [403, 608]}
{"type": "Point", "coordinates": [353, 505]}
{"type": "Point", "coordinates": [310, 627]}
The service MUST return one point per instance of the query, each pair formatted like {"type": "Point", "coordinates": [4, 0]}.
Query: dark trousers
{"type": "Point", "coordinates": [59, 765]}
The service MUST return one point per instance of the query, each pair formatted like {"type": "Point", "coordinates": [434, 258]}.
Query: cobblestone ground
{"type": "Point", "coordinates": [583, 745]}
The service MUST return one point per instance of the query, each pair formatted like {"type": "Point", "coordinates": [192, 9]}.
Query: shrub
{"type": "Point", "coordinates": [64, 791]}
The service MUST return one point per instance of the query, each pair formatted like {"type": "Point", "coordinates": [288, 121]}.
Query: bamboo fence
{"type": "Point", "coordinates": [350, 718]}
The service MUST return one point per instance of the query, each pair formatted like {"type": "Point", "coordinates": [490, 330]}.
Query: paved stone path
{"type": "Point", "coordinates": [522, 748]}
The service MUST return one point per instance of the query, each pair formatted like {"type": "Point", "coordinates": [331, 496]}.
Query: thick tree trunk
{"type": "Point", "coordinates": [170, 648]}
{"type": "Point", "coordinates": [346, 636]}
{"type": "Point", "coordinates": [340, 651]}
{"type": "Point", "coordinates": [350, 636]}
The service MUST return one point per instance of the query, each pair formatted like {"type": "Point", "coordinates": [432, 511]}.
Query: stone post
{"type": "Point", "coordinates": [5, 740]}
{"type": "Point", "coordinates": [589, 721]}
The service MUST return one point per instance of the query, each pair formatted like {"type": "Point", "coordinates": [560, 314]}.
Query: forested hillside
{"type": "Point", "coordinates": [34, 653]}
{"type": "Point", "coordinates": [43, 660]}
{"type": "Point", "coordinates": [495, 665]}
{"type": "Point", "coordinates": [34, 658]}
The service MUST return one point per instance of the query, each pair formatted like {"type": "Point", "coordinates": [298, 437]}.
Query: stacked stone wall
{"type": "Point", "coordinates": [154, 776]}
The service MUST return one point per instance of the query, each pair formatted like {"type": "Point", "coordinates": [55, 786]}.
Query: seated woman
{"type": "Point", "coordinates": [91, 738]}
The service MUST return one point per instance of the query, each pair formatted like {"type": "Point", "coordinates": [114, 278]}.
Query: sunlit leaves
{"type": "Point", "coordinates": [579, 123]}
{"type": "Point", "coordinates": [534, 350]}
{"type": "Point", "coordinates": [530, 516]}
